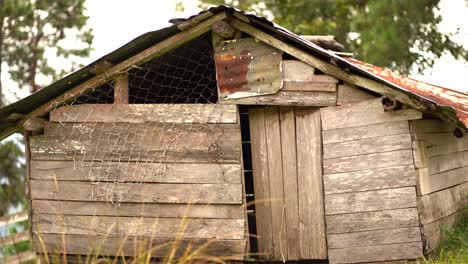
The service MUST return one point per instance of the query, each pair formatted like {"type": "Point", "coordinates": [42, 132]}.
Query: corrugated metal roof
{"type": "Point", "coordinates": [439, 95]}
{"type": "Point", "coordinates": [147, 40]}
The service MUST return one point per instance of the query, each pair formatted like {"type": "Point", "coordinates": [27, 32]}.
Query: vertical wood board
{"type": "Point", "coordinates": [312, 241]}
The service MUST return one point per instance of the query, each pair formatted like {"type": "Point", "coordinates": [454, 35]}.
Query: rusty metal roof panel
{"type": "Point", "coordinates": [247, 67]}
{"type": "Point", "coordinates": [436, 94]}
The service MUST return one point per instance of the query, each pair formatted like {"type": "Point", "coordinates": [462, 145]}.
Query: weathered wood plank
{"type": "Point", "coordinates": [138, 226]}
{"type": "Point", "coordinates": [135, 172]}
{"type": "Point", "coordinates": [434, 232]}
{"type": "Point", "coordinates": [140, 113]}
{"type": "Point", "coordinates": [363, 132]}
{"type": "Point", "coordinates": [296, 70]}
{"type": "Point", "coordinates": [367, 180]}
{"type": "Point", "coordinates": [448, 144]}
{"type": "Point", "coordinates": [137, 192]}
{"type": "Point", "coordinates": [447, 162]}
{"type": "Point", "coordinates": [366, 221]}
{"type": "Point", "coordinates": [289, 98]}
{"type": "Point", "coordinates": [134, 142]}
{"type": "Point", "coordinates": [261, 180]}
{"type": "Point", "coordinates": [374, 238]}
{"type": "Point", "coordinates": [443, 203]}
{"type": "Point", "coordinates": [376, 253]}
{"type": "Point", "coordinates": [298, 86]}
{"type": "Point", "coordinates": [111, 245]}
{"type": "Point", "coordinates": [420, 154]}
{"type": "Point", "coordinates": [312, 240]}
{"type": "Point", "coordinates": [275, 174]}
{"type": "Point", "coordinates": [349, 94]}
{"type": "Point", "coordinates": [363, 113]}
{"type": "Point", "coordinates": [370, 201]}
{"type": "Point", "coordinates": [121, 89]}
{"type": "Point", "coordinates": [432, 126]}
{"type": "Point", "coordinates": [132, 209]}
{"type": "Point", "coordinates": [436, 182]}
{"type": "Point", "coordinates": [368, 161]}
{"type": "Point", "coordinates": [367, 146]}
{"type": "Point", "coordinates": [289, 161]}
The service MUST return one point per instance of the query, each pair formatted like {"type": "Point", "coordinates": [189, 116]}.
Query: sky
{"type": "Point", "coordinates": [116, 22]}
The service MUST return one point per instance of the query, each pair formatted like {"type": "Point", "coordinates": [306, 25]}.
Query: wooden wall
{"type": "Point", "coordinates": [369, 183]}
{"type": "Point", "coordinates": [287, 170]}
{"type": "Point", "coordinates": [171, 171]}
{"type": "Point", "coordinates": [441, 160]}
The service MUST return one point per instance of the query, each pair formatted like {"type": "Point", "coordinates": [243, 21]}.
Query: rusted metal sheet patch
{"type": "Point", "coordinates": [247, 67]}
{"type": "Point", "coordinates": [439, 95]}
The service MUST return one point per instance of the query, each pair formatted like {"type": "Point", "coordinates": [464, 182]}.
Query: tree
{"type": "Point", "coordinates": [393, 34]}
{"type": "Point", "coordinates": [29, 28]}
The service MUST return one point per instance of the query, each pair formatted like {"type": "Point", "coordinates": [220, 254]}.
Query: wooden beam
{"type": "Point", "coordinates": [144, 56]}
{"type": "Point", "coordinates": [121, 89]}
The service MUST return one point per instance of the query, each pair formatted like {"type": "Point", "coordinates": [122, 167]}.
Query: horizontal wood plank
{"type": "Point", "coordinates": [447, 162]}
{"type": "Point", "coordinates": [140, 113]}
{"type": "Point", "coordinates": [296, 70]}
{"type": "Point", "coordinates": [137, 192]}
{"type": "Point", "coordinates": [153, 142]}
{"type": "Point", "coordinates": [367, 180]}
{"type": "Point", "coordinates": [434, 232]}
{"type": "Point", "coordinates": [349, 94]}
{"type": "Point", "coordinates": [137, 209]}
{"type": "Point", "coordinates": [370, 201]}
{"type": "Point", "coordinates": [368, 161]}
{"type": "Point", "coordinates": [363, 132]}
{"type": "Point", "coordinates": [431, 126]}
{"type": "Point", "coordinates": [364, 113]}
{"type": "Point", "coordinates": [367, 146]}
{"type": "Point", "coordinates": [443, 203]}
{"type": "Point", "coordinates": [101, 171]}
{"type": "Point", "coordinates": [442, 180]}
{"type": "Point", "coordinates": [111, 245]}
{"type": "Point", "coordinates": [374, 238]}
{"type": "Point", "coordinates": [299, 86]}
{"type": "Point", "coordinates": [139, 227]}
{"type": "Point", "coordinates": [289, 98]}
{"type": "Point", "coordinates": [366, 221]}
{"type": "Point", "coordinates": [403, 251]}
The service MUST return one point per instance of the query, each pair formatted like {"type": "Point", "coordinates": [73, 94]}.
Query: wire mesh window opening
{"type": "Point", "coordinates": [184, 75]}
{"type": "Point", "coordinates": [117, 156]}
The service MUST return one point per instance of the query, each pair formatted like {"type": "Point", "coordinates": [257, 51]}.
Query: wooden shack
{"type": "Point", "coordinates": [229, 135]}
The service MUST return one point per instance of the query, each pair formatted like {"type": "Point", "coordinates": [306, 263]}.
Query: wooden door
{"type": "Point", "coordinates": [287, 169]}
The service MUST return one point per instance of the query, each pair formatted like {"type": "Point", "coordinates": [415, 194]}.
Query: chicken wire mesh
{"type": "Point", "coordinates": [117, 157]}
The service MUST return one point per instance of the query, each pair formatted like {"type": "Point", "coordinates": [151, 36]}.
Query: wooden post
{"type": "Point", "coordinates": [121, 89]}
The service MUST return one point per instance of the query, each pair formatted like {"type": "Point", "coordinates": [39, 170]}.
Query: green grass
{"type": "Point", "coordinates": [454, 246]}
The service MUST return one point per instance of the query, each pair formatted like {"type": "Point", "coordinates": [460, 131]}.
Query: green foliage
{"type": "Point", "coordinates": [454, 245]}
{"type": "Point", "coordinates": [12, 174]}
{"type": "Point", "coordinates": [393, 34]}
{"type": "Point", "coordinates": [28, 27]}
